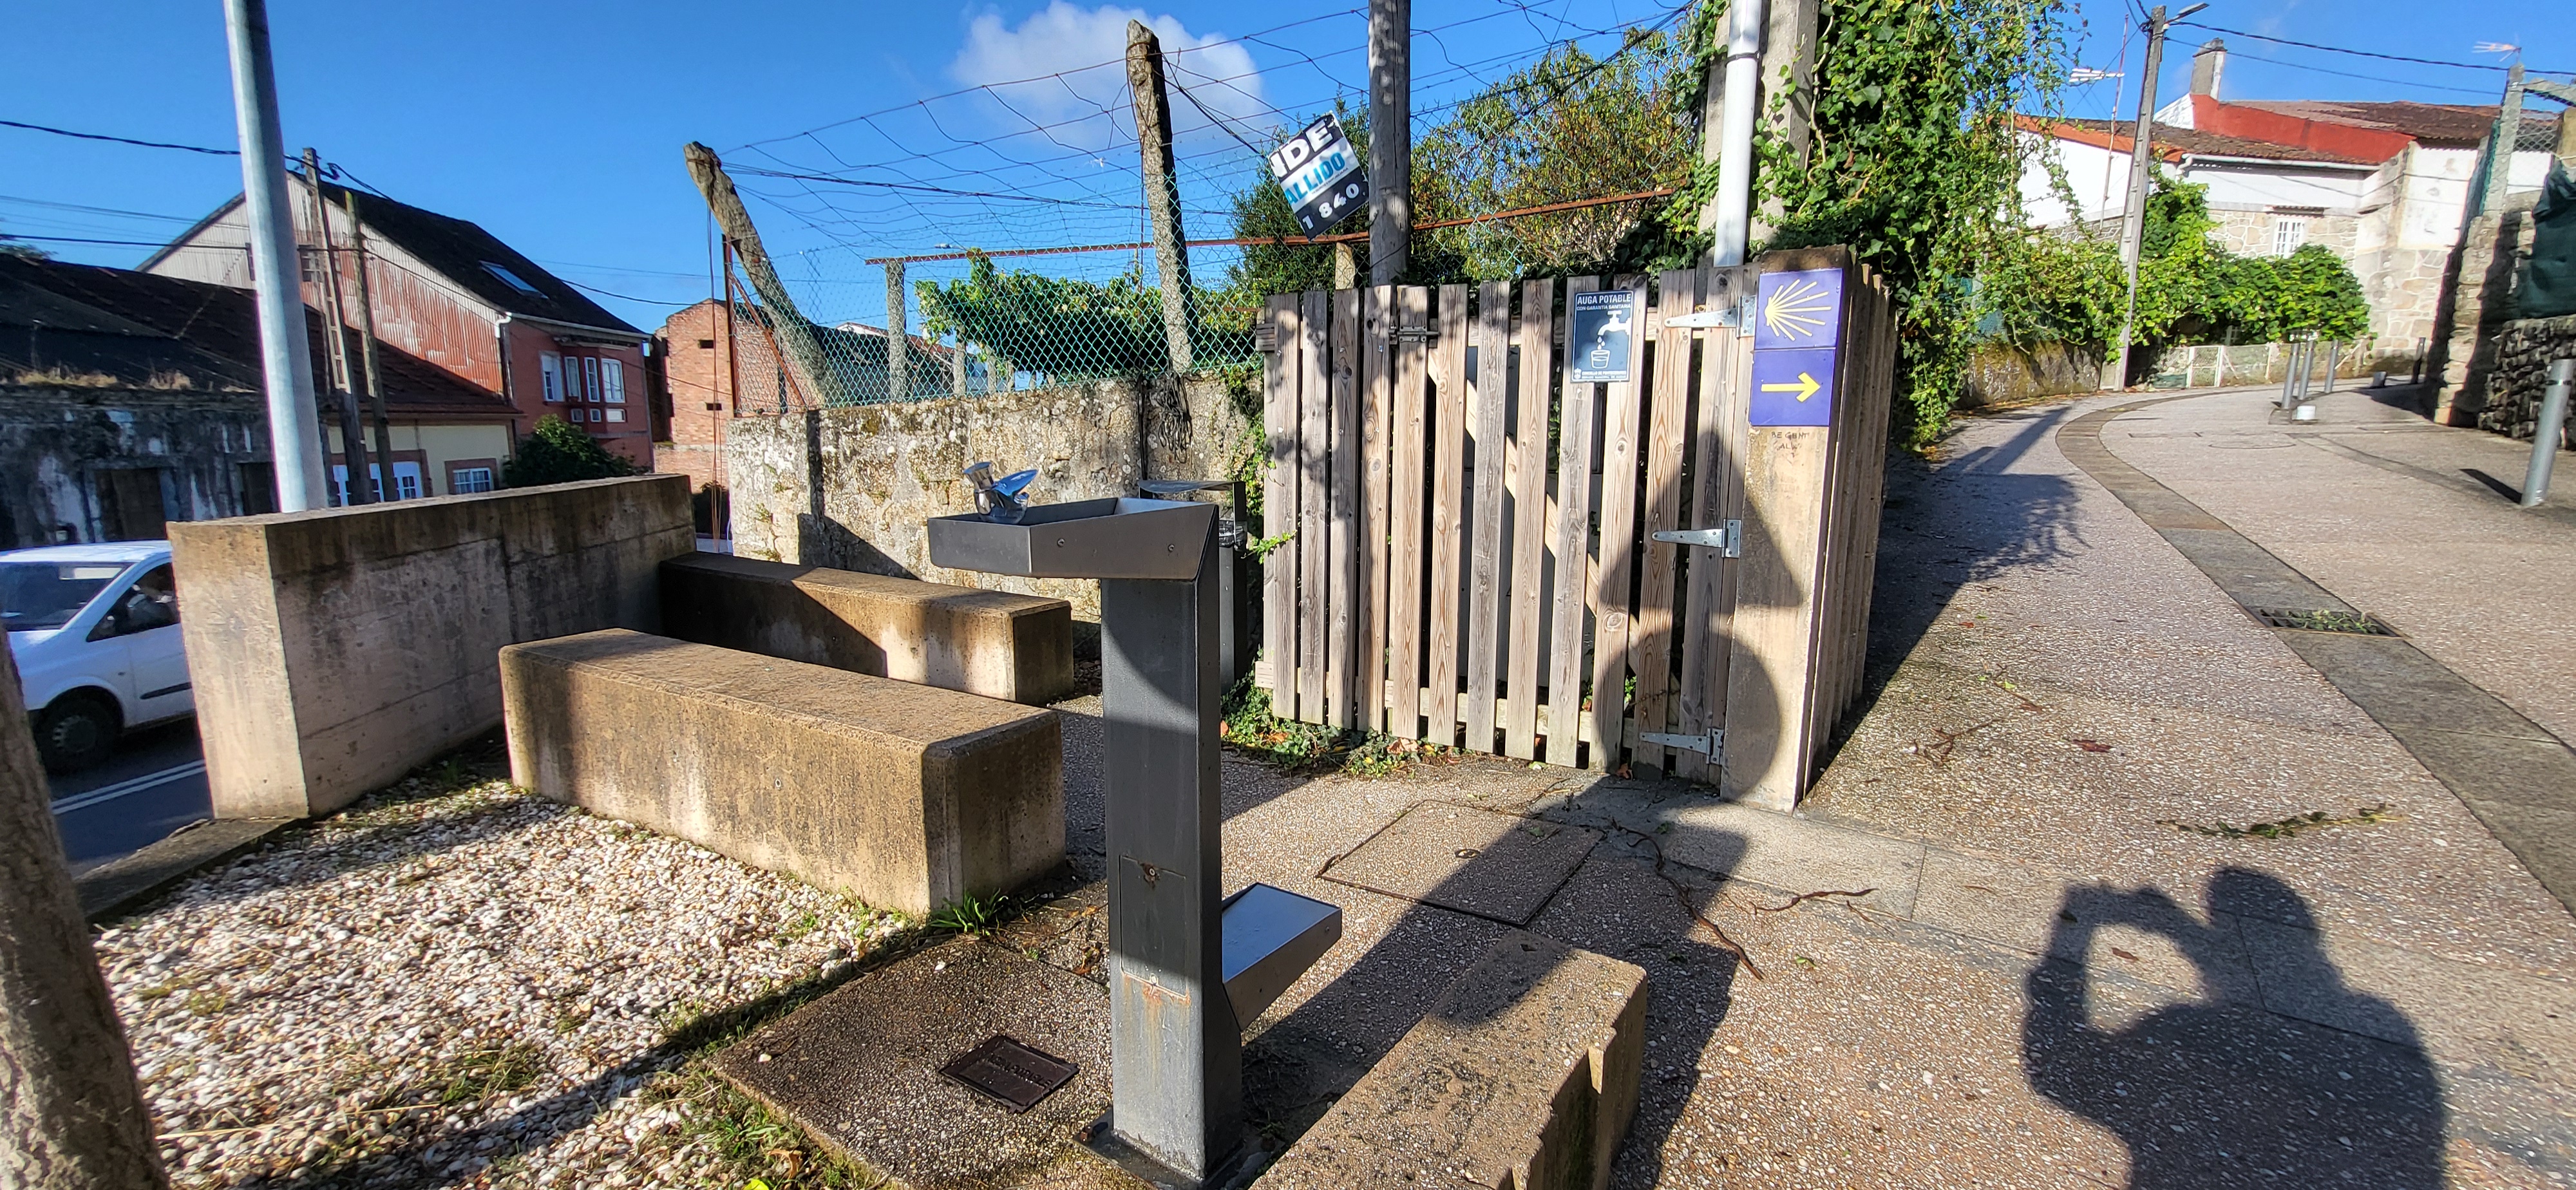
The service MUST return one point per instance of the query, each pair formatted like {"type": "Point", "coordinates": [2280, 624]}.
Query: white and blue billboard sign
{"type": "Point", "coordinates": [1320, 172]}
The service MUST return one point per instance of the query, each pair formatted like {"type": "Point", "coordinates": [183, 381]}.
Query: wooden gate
{"type": "Point", "coordinates": [1476, 524]}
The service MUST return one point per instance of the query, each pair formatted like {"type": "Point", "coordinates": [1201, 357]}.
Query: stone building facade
{"type": "Point", "coordinates": [2524, 349]}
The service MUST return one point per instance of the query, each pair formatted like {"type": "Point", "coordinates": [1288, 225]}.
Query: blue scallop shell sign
{"type": "Point", "coordinates": [1797, 331]}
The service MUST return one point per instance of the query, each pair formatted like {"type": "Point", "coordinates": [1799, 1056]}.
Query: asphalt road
{"type": "Point", "coordinates": [155, 785]}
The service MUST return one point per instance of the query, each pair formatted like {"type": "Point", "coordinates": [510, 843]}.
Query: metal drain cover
{"type": "Point", "coordinates": [1011, 1074]}
{"type": "Point", "coordinates": [2318, 620]}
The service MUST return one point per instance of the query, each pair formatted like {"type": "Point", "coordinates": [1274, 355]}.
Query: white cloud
{"type": "Point", "coordinates": [1072, 43]}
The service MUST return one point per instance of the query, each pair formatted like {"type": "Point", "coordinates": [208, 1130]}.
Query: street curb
{"type": "Point", "coordinates": [113, 888]}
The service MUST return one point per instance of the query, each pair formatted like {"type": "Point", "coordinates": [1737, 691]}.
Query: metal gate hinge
{"type": "Point", "coordinates": [1713, 744]}
{"type": "Point", "coordinates": [1728, 538]}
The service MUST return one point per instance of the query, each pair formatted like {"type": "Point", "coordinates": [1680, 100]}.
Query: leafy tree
{"type": "Point", "coordinates": [1056, 327]}
{"type": "Point", "coordinates": [557, 451]}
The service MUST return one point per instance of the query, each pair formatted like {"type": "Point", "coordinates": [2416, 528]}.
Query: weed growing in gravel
{"type": "Point", "coordinates": [480, 1074]}
{"type": "Point", "coordinates": [744, 1141]}
{"type": "Point", "coordinates": [972, 915]}
{"type": "Point", "coordinates": [205, 1002]}
{"type": "Point", "coordinates": [1249, 726]}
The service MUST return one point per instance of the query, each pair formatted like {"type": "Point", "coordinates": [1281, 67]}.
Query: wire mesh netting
{"type": "Point", "coordinates": [1038, 153]}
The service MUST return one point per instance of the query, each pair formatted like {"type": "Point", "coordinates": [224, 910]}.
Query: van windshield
{"type": "Point", "coordinates": [35, 596]}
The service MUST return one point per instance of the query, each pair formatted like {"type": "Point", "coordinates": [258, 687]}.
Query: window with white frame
{"type": "Point", "coordinates": [551, 365]}
{"type": "Point", "coordinates": [616, 415]}
{"type": "Point", "coordinates": [470, 479]}
{"type": "Point", "coordinates": [406, 481]}
{"type": "Point", "coordinates": [2288, 232]}
{"type": "Point", "coordinates": [612, 381]}
{"type": "Point", "coordinates": [590, 377]}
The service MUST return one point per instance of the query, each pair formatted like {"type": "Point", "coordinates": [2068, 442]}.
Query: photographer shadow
{"type": "Point", "coordinates": [2219, 1091]}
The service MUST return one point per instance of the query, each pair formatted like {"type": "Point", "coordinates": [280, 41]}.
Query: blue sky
{"type": "Point", "coordinates": [558, 125]}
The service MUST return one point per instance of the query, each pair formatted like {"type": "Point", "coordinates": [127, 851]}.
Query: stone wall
{"type": "Point", "coordinates": [2003, 374]}
{"type": "Point", "coordinates": [2477, 299]}
{"type": "Point", "coordinates": [56, 443]}
{"type": "Point", "coordinates": [333, 650]}
{"type": "Point", "coordinates": [851, 488]}
{"type": "Point", "coordinates": [2522, 354]}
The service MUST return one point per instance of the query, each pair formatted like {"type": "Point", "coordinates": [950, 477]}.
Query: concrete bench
{"type": "Point", "coordinates": [993, 643]}
{"type": "Point", "coordinates": [905, 796]}
{"type": "Point", "coordinates": [1523, 1077]}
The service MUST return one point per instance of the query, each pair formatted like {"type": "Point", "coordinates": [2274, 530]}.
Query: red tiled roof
{"type": "Point", "coordinates": [2438, 125]}
{"type": "Point", "coordinates": [2171, 144]}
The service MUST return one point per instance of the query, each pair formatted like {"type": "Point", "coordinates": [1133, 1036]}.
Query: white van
{"type": "Point", "coordinates": [95, 630]}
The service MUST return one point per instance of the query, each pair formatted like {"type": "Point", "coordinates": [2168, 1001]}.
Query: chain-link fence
{"type": "Point", "coordinates": [974, 326]}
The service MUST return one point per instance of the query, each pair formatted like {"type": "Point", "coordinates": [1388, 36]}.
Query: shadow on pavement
{"type": "Point", "coordinates": [2219, 1091]}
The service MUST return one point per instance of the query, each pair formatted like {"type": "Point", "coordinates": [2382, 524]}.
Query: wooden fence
{"type": "Point", "coordinates": [1472, 514]}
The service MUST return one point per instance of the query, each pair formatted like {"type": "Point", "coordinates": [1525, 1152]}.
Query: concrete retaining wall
{"type": "Point", "coordinates": [1018, 648]}
{"type": "Point", "coordinates": [2002, 374]}
{"type": "Point", "coordinates": [2522, 354]}
{"type": "Point", "coordinates": [850, 488]}
{"type": "Point", "coordinates": [334, 650]}
{"type": "Point", "coordinates": [907, 797]}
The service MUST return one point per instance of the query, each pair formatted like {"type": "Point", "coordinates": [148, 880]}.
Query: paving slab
{"type": "Point", "coordinates": [1786, 852]}
{"type": "Point", "coordinates": [125, 883]}
{"type": "Point", "coordinates": [859, 1070]}
{"type": "Point", "coordinates": [1494, 865]}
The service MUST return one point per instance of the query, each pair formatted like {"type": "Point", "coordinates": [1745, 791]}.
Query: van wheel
{"type": "Point", "coordinates": [77, 732]}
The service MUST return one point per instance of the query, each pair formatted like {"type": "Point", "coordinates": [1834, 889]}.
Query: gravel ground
{"type": "Point", "coordinates": [468, 986]}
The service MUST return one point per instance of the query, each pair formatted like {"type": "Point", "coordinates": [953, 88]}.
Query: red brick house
{"type": "Point", "coordinates": [451, 293]}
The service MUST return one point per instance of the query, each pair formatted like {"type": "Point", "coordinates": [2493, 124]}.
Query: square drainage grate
{"type": "Point", "coordinates": [1012, 1074]}
{"type": "Point", "coordinates": [2354, 623]}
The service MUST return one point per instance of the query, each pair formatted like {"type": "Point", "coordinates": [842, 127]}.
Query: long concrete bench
{"type": "Point", "coordinates": [993, 643]}
{"type": "Point", "coordinates": [905, 796]}
{"type": "Point", "coordinates": [1523, 1077]}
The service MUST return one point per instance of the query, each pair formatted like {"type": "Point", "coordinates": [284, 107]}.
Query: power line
{"type": "Point", "coordinates": [756, 171]}
{"type": "Point", "coordinates": [2336, 49]}
{"type": "Point", "coordinates": [122, 140]}
{"type": "Point", "coordinates": [67, 206]}
{"type": "Point", "coordinates": [622, 296]}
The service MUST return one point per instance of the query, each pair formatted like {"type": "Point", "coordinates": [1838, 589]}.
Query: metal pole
{"type": "Point", "coordinates": [2548, 432]}
{"type": "Point", "coordinates": [286, 355]}
{"type": "Point", "coordinates": [2133, 221]}
{"type": "Point", "coordinates": [1162, 188]}
{"type": "Point", "coordinates": [353, 438]}
{"type": "Point", "coordinates": [1390, 164]}
{"type": "Point", "coordinates": [898, 322]}
{"type": "Point", "coordinates": [1744, 19]}
{"type": "Point", "coordinates": [367, 344]}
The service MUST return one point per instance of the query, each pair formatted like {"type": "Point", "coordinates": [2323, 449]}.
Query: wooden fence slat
{"type": "Point", "coordinates": [1572, 543]}
{"type": "Point", "coordinates": [1487, 421]}
{"type": "Point", "coordinates": [1611, 610]}
{"type": "Point", "coordinates": [1342, 530]}
{"type": "Point", "coordinates": [1376, 357]}
{"type": "Point", "coordinates": [1716, 465]}
{"type": "Point", "coordinates": [1407, 496]}
{"type": "Point", "coordinates": [1650, 640]}
{"type": "Point", "coordinates": [1449, 427]}
{"type": "Point", "coordinates": [1279, 504]}
{"type": "Point", "coordinates": [1314, 439]}
{"type": "Point", "coordinates": [1527, 482]}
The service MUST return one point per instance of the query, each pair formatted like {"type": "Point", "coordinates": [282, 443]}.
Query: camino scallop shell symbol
{"type": "Point", "coordinates": [1798, 310]}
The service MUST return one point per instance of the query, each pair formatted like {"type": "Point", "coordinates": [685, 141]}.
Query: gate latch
{"type": "Point", "coordinates": [1713, 744]}
{"type": "Point", "coordinates": [1728, 538]}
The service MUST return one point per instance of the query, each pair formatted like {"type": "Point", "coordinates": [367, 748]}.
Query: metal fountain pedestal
{"type": "Point", "coordinates": [1188, 967]}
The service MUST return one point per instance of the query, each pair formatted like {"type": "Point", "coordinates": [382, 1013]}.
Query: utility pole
{"type": "Point", "coordinates": [367, 342]}
{"type": "Point", "coordinates": [286, 355]}
{"type": "Point", "coordinates": [1730, 222]}
{"type": "Point", "coordinates": [1162, 190]}
{"type": "Point", "coordinates": [71, 1110]}
{"type": "Point", "coordinates": [1783, 98]}
{"type": "Point", "coordinates": [2133, 220]}
{"type": "Point", "coordinates": [797, 339]}
{"type": "Point", "coordinates": [353, 440]}
{"type": "Point", "coordinates": [1390, 164]}
{"type": "Point", "coordinates": [898, 325]}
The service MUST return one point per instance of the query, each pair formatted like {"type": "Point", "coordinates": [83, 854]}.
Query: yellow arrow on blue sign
{"type": "Point", "coordinates": [1805, 387]}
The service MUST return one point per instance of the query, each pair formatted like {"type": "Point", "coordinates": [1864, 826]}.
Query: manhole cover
{"type": "Point", "coordinates": [1012, 1074]}
{"type": "Point", "coordinates": [2355, 623]}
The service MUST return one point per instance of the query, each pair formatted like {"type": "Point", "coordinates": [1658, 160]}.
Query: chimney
{"type": "Point", "coordinates": [2206, 66]}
